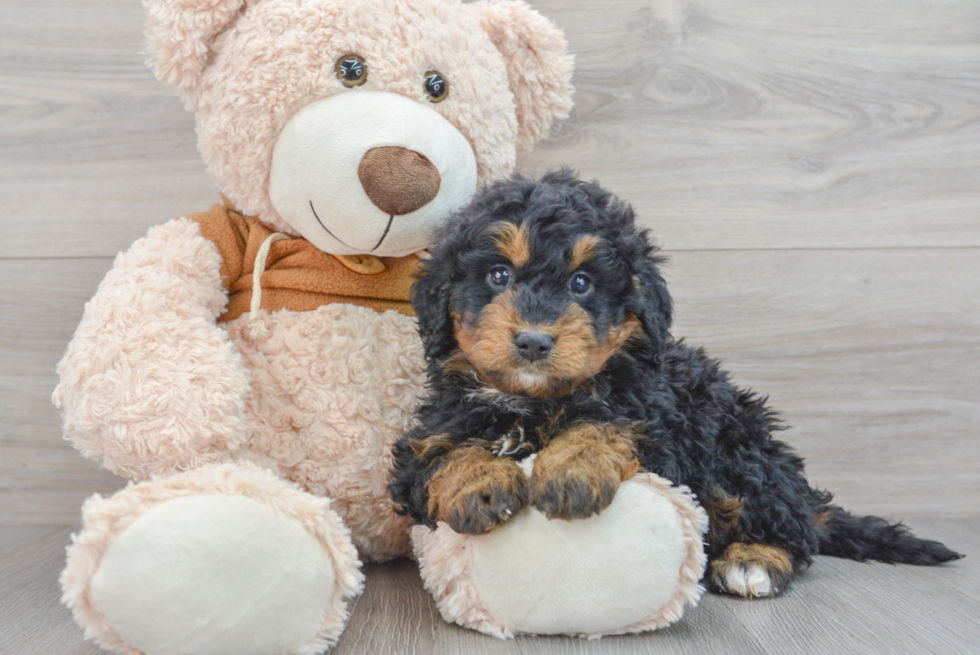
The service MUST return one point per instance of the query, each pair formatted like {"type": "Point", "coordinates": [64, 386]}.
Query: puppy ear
{"type": "Point", "coordinates": [538, 64]}
{"type": "Point", "coordinates": [650, 302]}
{"type": "Point", "coordinates": [431, 295]}
{"type": "Point", "coordinates": [649, 299]}
{"type": "Point", "coordinates": [180, 34]}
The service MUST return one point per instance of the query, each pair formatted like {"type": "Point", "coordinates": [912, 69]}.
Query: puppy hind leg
{"type": "Point", "coordinates": [752, 570]}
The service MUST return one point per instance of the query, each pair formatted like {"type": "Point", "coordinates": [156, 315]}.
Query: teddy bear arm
{"type": "Point", "coordinates": [150, 383]}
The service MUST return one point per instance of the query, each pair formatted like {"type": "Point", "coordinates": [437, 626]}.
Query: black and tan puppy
{"type": "Point", "coordinates": [545, 322]}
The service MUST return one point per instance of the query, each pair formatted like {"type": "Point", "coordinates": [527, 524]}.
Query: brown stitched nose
{"type": "Point", "coordinates": [398, 180]}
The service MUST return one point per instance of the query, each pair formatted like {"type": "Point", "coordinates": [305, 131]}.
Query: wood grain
{"type": "Point", "coordinates": [872, 356]}
{"type": "Point", "coordinates": [32, 621]}
{"type": "Point", "coordinates": [836, 607]}
{"type": "Point", "coordinates": [811, 168]}
{"type": "Point", "coordinates": [729, 125]}
{"type": "Point", "coordinates": [758, 124]}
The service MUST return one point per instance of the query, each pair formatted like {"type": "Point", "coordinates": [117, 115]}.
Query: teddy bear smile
{"type": "Point", "coordinates": [391, 218]}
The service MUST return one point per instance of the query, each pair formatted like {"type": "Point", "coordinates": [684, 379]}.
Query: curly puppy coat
{"type": "Point", "coordinates": [545, 322]}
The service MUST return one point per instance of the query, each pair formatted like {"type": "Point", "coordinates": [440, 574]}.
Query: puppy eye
{"type": "Point", "coordinates": [498, 277]}
{"type": "Point", "coordinates": [351, 71]}
{"type": "Point", "coordinates": [436, 87]}
{"type": "Point", "coordinates": [580, 284]}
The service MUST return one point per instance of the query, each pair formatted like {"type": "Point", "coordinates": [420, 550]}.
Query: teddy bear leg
{"type": "Point", "coordinates": [631, 568]}
{"type": "Point", "coordinates": [225, 559]}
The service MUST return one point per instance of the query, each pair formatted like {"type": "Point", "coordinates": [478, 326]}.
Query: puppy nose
{"type": "Point", "coordinates": [533, 346]}
{"type": "Point", "coordinates": [398, 180]}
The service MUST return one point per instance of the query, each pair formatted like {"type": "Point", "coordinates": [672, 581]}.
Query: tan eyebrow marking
{"type": "Point", "coordinates": [582, 250]}
{"type": "Point", "coordinates": [513, 241]}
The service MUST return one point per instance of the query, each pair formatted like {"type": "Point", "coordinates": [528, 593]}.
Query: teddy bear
{"type": "Point", "coordinates": [249, 367]}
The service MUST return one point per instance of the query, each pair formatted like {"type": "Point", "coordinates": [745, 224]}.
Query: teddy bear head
{"type": "Point", "coordinates": [360, 125]}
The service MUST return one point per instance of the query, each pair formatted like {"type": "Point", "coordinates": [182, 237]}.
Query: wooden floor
{"type": "Point", "coordinates": [835, 607]}
{"type": "Point", "coordinates": [812, 169]}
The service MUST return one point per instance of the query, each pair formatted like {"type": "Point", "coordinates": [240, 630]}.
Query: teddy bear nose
{"type": "Point", "coordinates": [398, 180]}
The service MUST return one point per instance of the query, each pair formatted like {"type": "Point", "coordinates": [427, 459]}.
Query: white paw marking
{"type": "Point", "coordinates": [751, 581]}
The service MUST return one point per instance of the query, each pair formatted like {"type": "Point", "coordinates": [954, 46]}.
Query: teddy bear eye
{"type": "Point", "coordinates": [436, 87]}
{"type": "Point", "coordinates": [351, 71]}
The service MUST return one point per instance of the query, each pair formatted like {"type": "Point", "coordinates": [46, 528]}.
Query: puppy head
{"type": "Point", "coordinates": [539, 283]}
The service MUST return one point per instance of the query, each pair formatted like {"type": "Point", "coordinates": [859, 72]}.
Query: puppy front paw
{"type": "Point", "coordinates": [475, 491]}
{"type": "Point", "coordinates": [578, 474]}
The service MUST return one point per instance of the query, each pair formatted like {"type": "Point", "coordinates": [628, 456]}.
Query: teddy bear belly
{"type": "Point", "coordinates": [331, 391]}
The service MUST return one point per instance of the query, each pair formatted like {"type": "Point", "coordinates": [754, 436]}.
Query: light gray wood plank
{"type": "Point", "coordinates": [729, 125]}
{"type": "Point", "coordinates": [42, 479]}
{"type": "Point", "coordinates": [872, 356]}
{"type": "Point", "coordinates": [92, 149]}
{"type": "Point", "coordinates": [793, 124]}
{"type": "Point", "coordinates": [32, 620]}
{"type": "Point", "coordinates": [836, 607]}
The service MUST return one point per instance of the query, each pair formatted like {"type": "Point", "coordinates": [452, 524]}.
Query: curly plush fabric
{"type": "Point", "coordinates": [117, 378]}
{"type": "Point", "coordinates": [332, 391]}
{"type": "Point", "coordinates": [320, 399]}
{"type": "Point", "coordinates": [107, 518]}
{"type": "Point", "coordinates": [506, 66]}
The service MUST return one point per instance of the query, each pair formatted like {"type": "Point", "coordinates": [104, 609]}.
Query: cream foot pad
{"type": "Point", "coordinates": [224, 560]}
{"type": "Point", "coordinates": [632, 568]}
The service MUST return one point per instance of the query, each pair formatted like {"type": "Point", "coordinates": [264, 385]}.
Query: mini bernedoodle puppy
{"type": "Point", "coordinates": [545, 323]}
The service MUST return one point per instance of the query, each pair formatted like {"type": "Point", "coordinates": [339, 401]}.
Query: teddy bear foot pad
{"type": "Point", "coordinates": [632, 568]}
{"type": "Point", "coordinates": [209, 572]}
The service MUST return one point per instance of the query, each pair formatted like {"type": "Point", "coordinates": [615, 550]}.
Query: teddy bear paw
{"type": "Point", "coordinates": [253, 569]}
{"type": "Point", "coordinates": [632, 568]}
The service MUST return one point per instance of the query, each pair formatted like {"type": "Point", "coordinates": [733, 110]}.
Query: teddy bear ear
{"type": "Point", "coordinates": [180, 34]}
{"type": "Point", "coordinates": [538, 64]}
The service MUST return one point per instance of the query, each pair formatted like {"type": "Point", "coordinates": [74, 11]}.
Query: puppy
{"type": "Point", "coordinates": [545, 322]}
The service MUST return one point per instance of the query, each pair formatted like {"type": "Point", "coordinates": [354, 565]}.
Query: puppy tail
{"type": "Point", "coordinates": [869, 537]}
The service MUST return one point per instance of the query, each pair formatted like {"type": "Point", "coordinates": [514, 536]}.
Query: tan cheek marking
{"type": "Point", "coordinates": [513, 242]}
{"type": "Point", "coordinates": [574, 341]}
{"type": "Point", "coordinates": [463, 335]}
{"type": "Point", "coordinates": [458, 364]}
{"type": "Point", "coordinates": [582, 250]}
{"type": "Point", "coordinates": [578, 354]}
{"type": "Point", "coordinates": [489, 342]}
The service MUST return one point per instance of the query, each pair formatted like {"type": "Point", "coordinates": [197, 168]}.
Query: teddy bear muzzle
{"type": "Point", "coordinates": [370, 172]}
